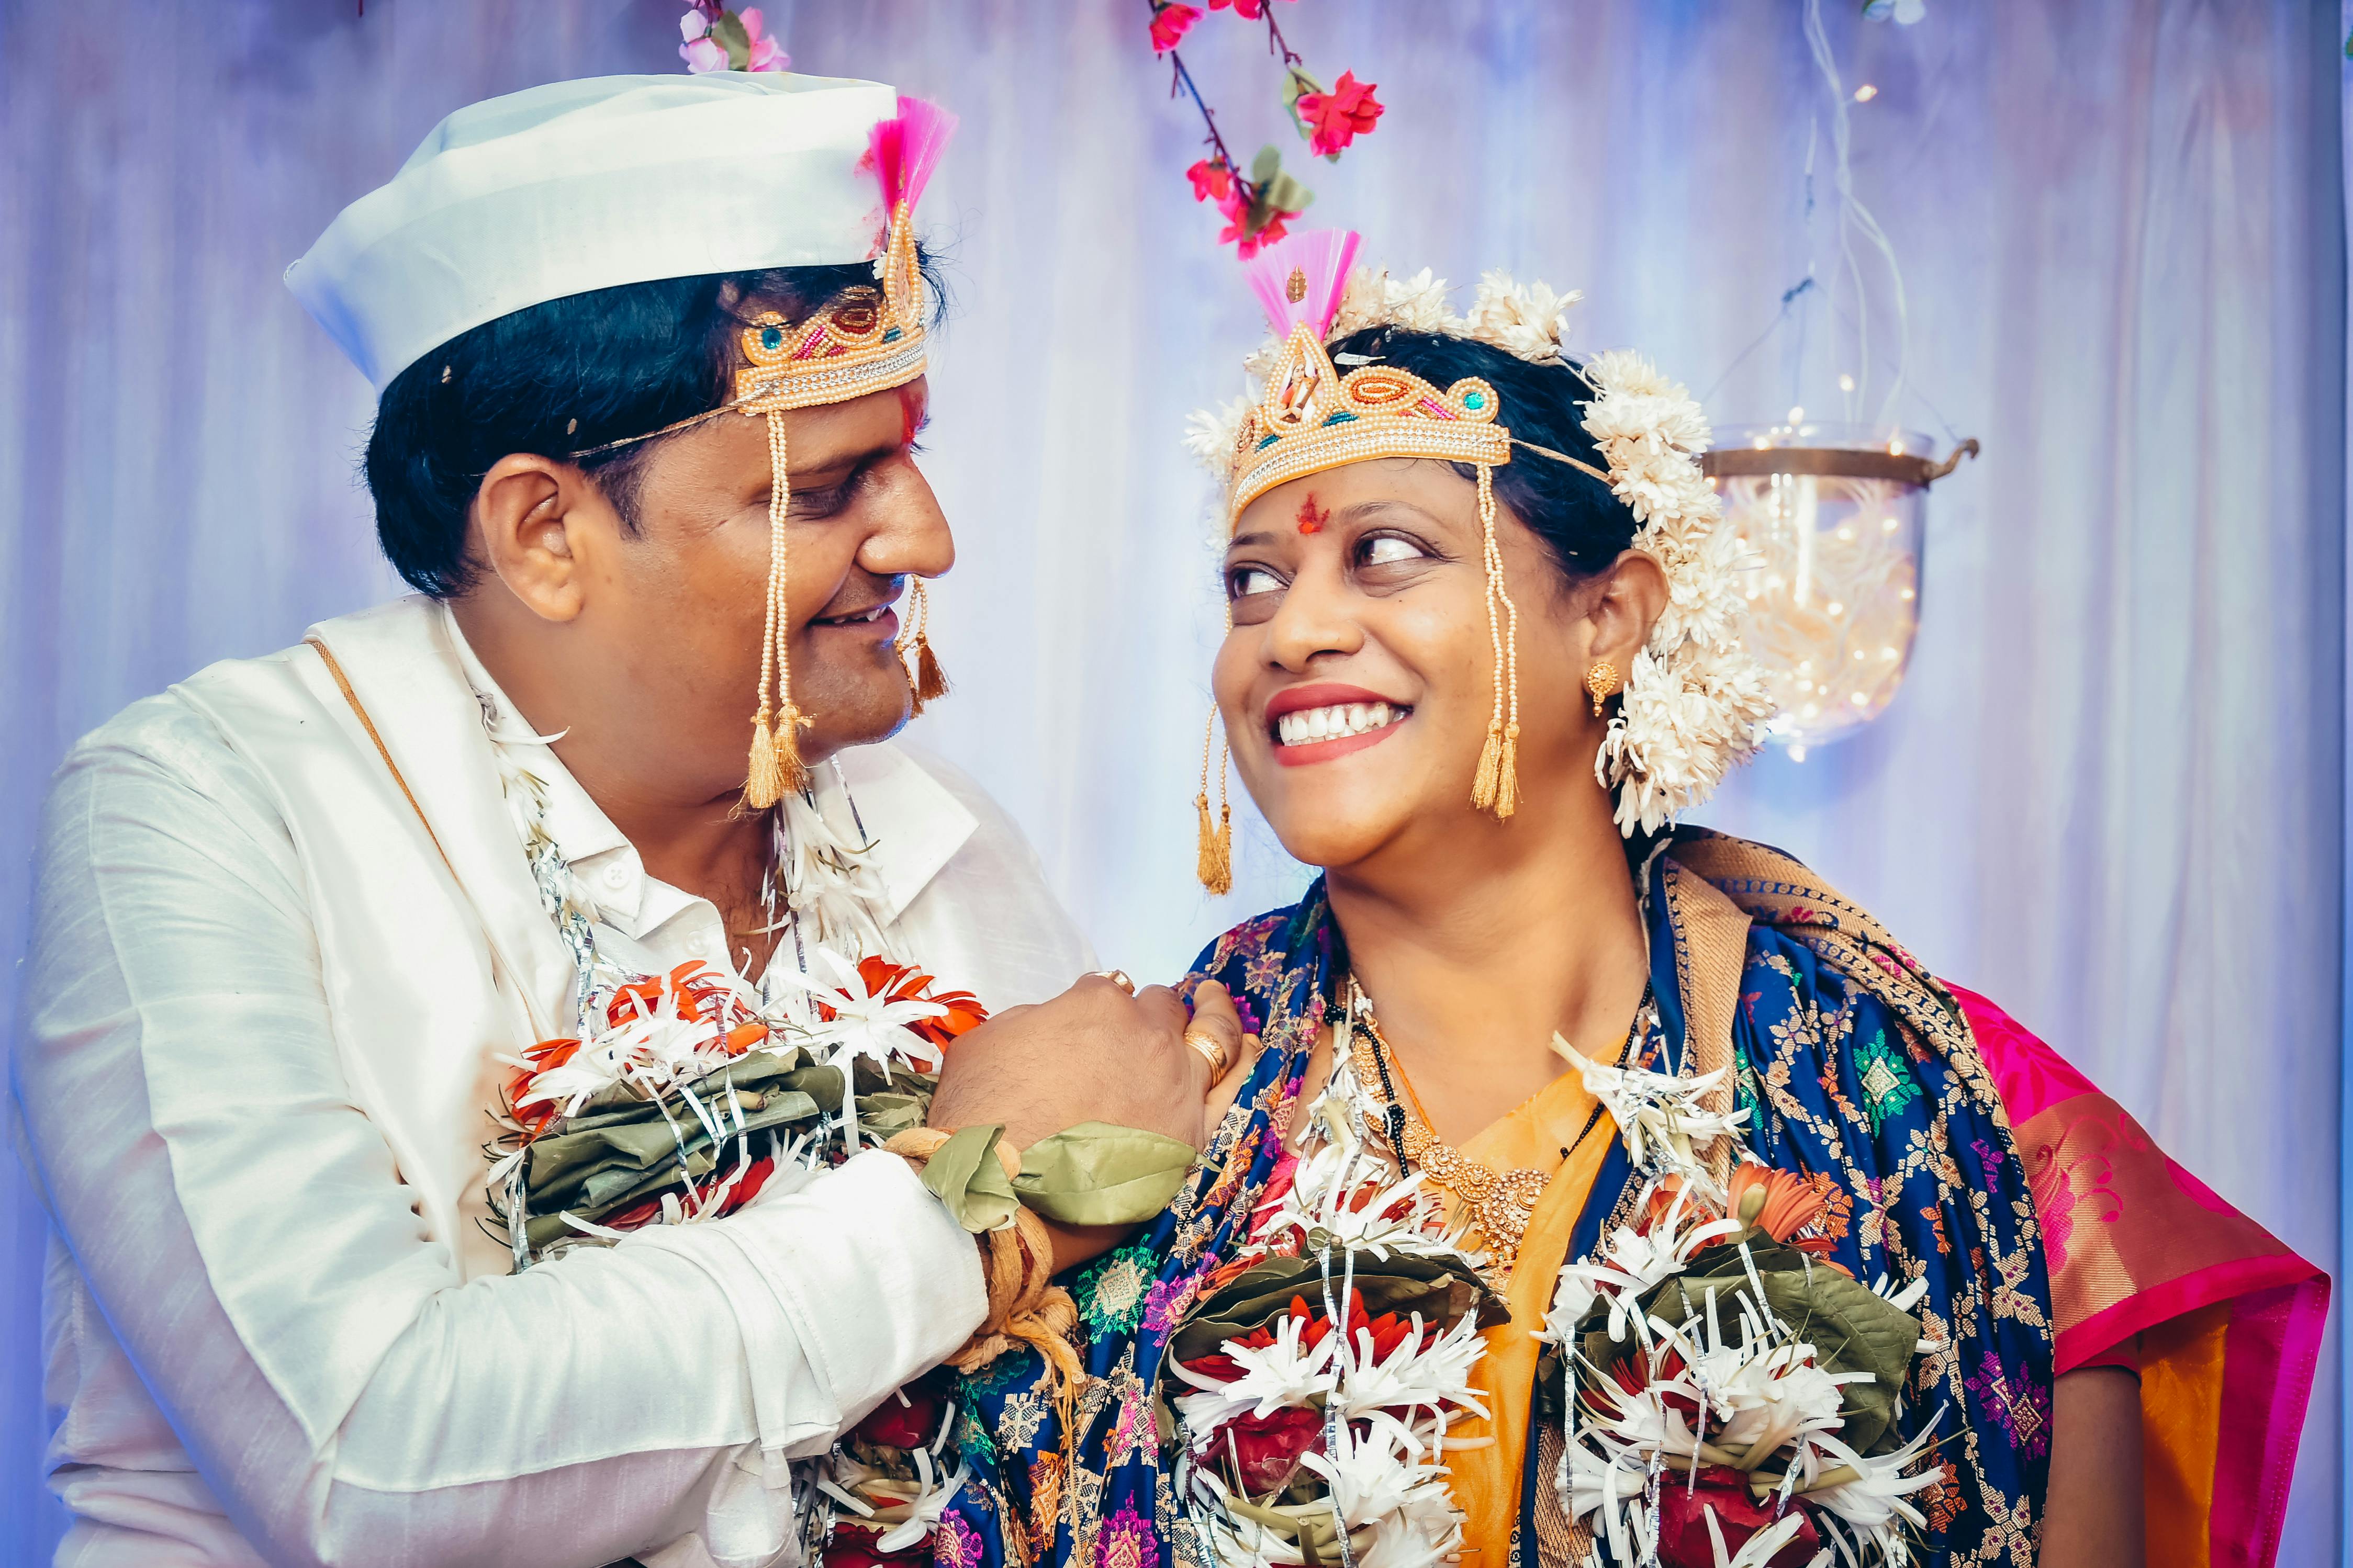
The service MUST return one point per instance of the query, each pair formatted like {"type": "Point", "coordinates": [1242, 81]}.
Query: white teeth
{"type": "Point", "coordinates": [1336, 723]}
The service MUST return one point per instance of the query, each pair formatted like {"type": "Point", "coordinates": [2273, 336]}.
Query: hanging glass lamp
{"type": "Point", "coordinates": [1829, 520]}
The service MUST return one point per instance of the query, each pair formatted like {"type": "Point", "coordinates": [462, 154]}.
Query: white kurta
{"type": "Point", "coordinates": [265, 1004]}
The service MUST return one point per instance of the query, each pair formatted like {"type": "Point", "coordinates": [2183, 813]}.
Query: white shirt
{"type": "Point", "coordinates": [265, 1337]}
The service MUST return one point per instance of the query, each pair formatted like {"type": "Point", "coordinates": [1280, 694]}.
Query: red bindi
{"type": "Point", "coordinates": [912, 412]}
{"type": "Point", "coordinates": [1311, 517]}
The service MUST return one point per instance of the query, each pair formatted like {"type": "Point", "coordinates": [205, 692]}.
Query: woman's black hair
{"type": "Point", "coordinates": [559, 377]}
{"type": "Point", "coordinates": [1580, 521]}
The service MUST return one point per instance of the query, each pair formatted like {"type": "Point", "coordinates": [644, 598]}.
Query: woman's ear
{"type": "Point", "coordinates": [1630, 598]}
{"type": "Point", "coordinates": [528, 521]}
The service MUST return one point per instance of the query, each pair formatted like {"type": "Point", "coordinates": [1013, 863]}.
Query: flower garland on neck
{"type": "Point", "coordinates": [682, 1097]}
{"type": "Point", "coordinates": [1726, 1396]}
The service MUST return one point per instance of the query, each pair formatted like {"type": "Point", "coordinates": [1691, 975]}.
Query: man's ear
{"type": "Point", "coordinates": [530, 519]}
{"type": "Point", "coordinates": [1632, 596]}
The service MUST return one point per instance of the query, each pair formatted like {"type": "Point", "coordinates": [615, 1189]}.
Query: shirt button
{"type": "Point", "coordinates": [617, 875]}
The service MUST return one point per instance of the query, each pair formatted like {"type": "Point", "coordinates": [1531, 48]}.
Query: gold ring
{"type": "Point", "coordinates": [1117, 977]}
{"type": "Point", "coordinates": [1212, 1050]}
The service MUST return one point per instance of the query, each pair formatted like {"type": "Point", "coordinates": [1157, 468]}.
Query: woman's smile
{"type": "Point", "coordinates": [1316, 724]}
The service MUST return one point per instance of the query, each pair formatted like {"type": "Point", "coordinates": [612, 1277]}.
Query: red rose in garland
{"type": "Point", "coordinates": [909, 1418]}
{"type": "Point", "coordinates": [1684, 1507]}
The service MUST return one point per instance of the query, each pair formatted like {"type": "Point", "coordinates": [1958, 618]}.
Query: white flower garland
{"type": "Point", "coordinates": [660, 1046]}
{"type": "Point", "coordinates": [1732, 1388]}
{"type": "Point", "coordinates": [1695, 704]}
{"type": "Point", "coordinates": [1381, 1415]}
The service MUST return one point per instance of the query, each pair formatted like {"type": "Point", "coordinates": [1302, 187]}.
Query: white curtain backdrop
{"type": "Point", "coordinates": [2110, 796]}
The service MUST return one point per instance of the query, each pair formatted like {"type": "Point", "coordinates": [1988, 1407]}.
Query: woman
{"type": "Point", "coordinates": [1663, 1203]}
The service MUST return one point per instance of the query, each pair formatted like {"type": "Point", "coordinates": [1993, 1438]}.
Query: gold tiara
{"type": "Point", "coordinates": [1313, 418]}
{"type": "Point", "coordinates": [871, 341]}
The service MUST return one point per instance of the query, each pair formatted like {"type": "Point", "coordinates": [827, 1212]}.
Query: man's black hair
{"type": "Point", "coordinates": [559, 377]}
{"type": "Point", "coordinates": [1580, 521]}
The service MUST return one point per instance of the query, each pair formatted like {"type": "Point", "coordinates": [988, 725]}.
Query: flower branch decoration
{"type": "Point", "coordinates": [1259, 203]}
{"type": "Point", "coordinates": [717, 39]}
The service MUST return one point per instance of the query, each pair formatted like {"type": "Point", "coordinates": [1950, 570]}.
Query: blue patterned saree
{"type": "Point", "coordinates": [1861, 1075]}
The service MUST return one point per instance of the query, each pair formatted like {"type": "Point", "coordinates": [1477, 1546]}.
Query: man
{"type": "Point", "coordinates": [299, 915]}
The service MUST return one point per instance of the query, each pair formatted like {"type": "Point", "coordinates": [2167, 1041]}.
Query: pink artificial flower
{"type": "Point", "coordinates": [767, 55]}
{"type": "Point", "coordinates": [1170, 24]}
{"type": "Point", "coordinates": [1248, 10]}
{"type": "Point", "coordinates": [703, 54]}
{"type": "Point", "coordinates": [693, 24]}
{"type": "Point", "coordinates": [1247, 245]}
{"type": "Point", "coordinates": [1338, 117]}
{"type": "Point", "coordinates": [1212, 180]}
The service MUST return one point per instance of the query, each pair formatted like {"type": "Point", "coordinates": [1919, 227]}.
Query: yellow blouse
{"type": "Point", "coordinates": [1535, 1137]}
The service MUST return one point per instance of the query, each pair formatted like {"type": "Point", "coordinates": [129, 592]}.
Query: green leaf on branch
{"type": "Point", "coordinates": [729, 31]}
{"type": "Point", "coordinates": [1297, 84]}
{"type": "Point", "coordinates": [1279, 193]}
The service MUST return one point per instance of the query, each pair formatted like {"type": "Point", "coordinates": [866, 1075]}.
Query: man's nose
{"type": "Point", "coordinates": [910, 537]}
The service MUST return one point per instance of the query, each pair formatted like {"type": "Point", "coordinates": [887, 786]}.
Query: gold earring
{"type": "Point", "coordinates": [1602, 681]}
{"type": "Point", "coordinates": [924, 678]}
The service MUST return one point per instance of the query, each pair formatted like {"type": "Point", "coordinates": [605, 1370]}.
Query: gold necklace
{"type": "Point", "coordinates": [1498, 1203]}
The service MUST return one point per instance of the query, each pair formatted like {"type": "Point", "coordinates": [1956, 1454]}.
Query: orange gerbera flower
{"type": "Point", "coordinates": [905, 983]}
{"type": "Point", "coordinates": [1782, 1204]}
{"type": "Point", "coordinates": [698, 993]}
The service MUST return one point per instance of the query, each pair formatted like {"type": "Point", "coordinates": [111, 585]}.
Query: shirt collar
{"type": "Point", "coordinates": [911, 823]}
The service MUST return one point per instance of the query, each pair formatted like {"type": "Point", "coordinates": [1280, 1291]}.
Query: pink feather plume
{"type": "Point", "coordinates": [906, 149]}
{"type": "Point", "coordinates": [1320, 255]}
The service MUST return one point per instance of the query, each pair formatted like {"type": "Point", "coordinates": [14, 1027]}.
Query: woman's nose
{"type": "Point", "coordinates": [1316, 617]}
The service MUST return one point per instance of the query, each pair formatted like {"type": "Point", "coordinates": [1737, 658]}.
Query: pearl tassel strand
{"type": "Point", "coordinates": [1496, 787]}
{"type": "Point", "coordinates": [776, 765]}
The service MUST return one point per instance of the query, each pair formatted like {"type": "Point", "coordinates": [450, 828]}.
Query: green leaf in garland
{"type": "Point", "coordinates": [1851, 1327]}
{"type": "Point", "coordinates": [1440, 1289]}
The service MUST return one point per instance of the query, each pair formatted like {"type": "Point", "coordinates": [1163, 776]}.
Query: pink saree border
{"type": "Point", "coordinates": [2279, 1308]}
{"type": "Point", "coordinates": [2268, 1354]}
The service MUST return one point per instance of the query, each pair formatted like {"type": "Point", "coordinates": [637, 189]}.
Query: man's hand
{"type": "Point", "coordinates": [1093, 1054]}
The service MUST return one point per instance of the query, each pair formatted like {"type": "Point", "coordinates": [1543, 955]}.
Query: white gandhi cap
{"type": "Point", "coordinates": [585, 184]}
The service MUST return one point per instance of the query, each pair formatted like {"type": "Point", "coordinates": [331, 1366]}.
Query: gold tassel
{"type": "Point", "coordinates": [1507, 774]}
{"type": "Point", "coordinates": [1214, 864]}
{"type": "Point", "coordinates": [764, 784]}
{"type": "Point", "coordinates": [1491, 766]}
{"type": "Point", "coordinates": [1213, 860]}
{"type": "Point", "coordinates": [792, 773]}
{"type": "Point", "coordinates": [931, 683]}
{"type": "Point", "coordinates": [927, 681]}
